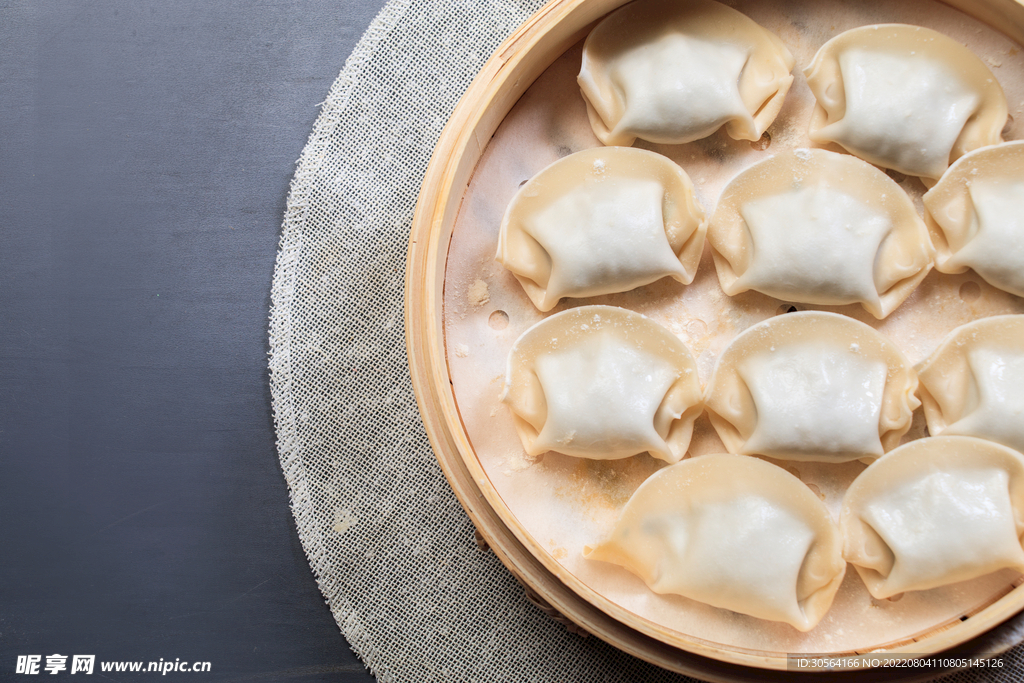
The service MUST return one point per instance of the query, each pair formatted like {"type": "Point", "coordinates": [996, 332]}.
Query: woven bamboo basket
{"type": "Point", "coordinates": [988, 628]}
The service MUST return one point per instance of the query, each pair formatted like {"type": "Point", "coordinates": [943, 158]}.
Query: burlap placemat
{"type": "Point", "coordinates": [389, 544]}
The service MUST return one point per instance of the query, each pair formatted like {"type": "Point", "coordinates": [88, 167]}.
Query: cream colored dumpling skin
{"type": "Point", "coordinates": [604, 383]}
{"type": "Point", "coordinates": [732, 532]}
{"type": "Point", "coordinates": [674, 71]}
{"type": "Point", "coordinates": [904, 97]}
{"type": "Point", "coordinates": [933, 512]}
{"type": "Point", "coordinates": [973, 383]}
{"type": "Point", "coordinates": [818, 227]}
{"type": "Point", "coordinates": [601, 221]}
{"type": "Point", "coordinates": [976, 216]}
{"type": "Point", "coordinates": [811, 386]}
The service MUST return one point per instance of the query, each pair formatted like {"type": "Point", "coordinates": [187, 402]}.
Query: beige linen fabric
{"type": "Point", "coordinates": [389, 544]}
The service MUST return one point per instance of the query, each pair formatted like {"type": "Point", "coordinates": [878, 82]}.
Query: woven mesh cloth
{"type": "Point", "coordinates": [389, 544]}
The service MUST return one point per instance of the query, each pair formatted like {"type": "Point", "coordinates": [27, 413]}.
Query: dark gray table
{"type": "Point", "coordinates": [145, 153]}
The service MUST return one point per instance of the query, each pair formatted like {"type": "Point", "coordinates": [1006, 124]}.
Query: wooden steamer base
{"type": "Point", "coordinates": [457, 297]}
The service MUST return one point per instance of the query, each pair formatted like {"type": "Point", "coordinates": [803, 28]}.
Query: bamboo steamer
{"type": "Point", "coordinates": [991, 628]}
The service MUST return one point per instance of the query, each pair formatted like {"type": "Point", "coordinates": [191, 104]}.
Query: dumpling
{"type": "Point", "coordinates": [672, 72]}
{"type": "Point", "coordinates": [811, 386]}
{"type": "Point", "coordinates": [935, 511]}
{"type": "Point", "coordinates": [820, 228]}
{"type": "Point", "coordinates": [973, 383]}
{"type": "Point", "coordinates": [976, 216]}
{"type": "Point", "coordinates": [904, 97]}
{"type": "Point", "coordinates": [732, 532]}
{"type": "Point", "coordinates": [601, 221]}
{"type": "Point", "coordinates": [604, 383]}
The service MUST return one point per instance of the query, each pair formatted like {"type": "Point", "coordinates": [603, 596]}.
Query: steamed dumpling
{"type": "Point", "coordinates": [973, 383]}
{"type": "Point", "coordinates": [933, 512]}
{"type": "Point", "coordinates": [604, 383]}
{"type": "Point", "coordinates": [811, 386]}
{"type": "Point", "coordinates": [674, 71]}
{"type": "Point", "coordinates": [602, 221]}
{"type": "Point", "coordinates": [904, 97]}
{"type": "Point", "coordinates": [820, 228]}
{"type": "Point", "coordinates": [732, 532]}
{"type": "Point", "coordinates": [976, 216]}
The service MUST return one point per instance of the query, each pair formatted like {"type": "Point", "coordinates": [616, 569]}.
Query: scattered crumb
{"type": "Point", "coordinates": [461, 350]}
{"type": "Point", "coordinates": [478, 294]}
{"type": "Point", "coordinates": [517, 460]}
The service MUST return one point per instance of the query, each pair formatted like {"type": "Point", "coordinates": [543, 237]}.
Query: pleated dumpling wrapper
{"type": "Point", "coordinates": [976, 216]}
{"type": "Point", "coordinates": [933, 512]}
{"type": "Point", "coordinates": [604, 383]}
{"type": "Point", "coordinates": [973, 383]}
{"type": "Point", "coordinates": [811, 386]}
{"type": "Point", "coordinates": [818, 227]}
{"type": "Point", "coordinates": [674, 71]}
{"type": "Point", "coordinates": [601, 221]}
{"type": "Point", "coordinates": [904, 97]}
{"type": "Point", "coordinates": [733, 532]}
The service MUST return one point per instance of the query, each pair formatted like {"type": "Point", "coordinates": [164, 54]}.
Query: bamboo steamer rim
{"type": "Point", "coordinates": [503, 79]}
